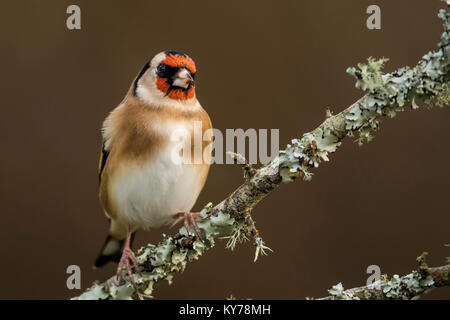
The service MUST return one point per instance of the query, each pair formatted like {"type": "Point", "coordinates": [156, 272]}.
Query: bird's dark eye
{"type": "Point", "coordinates": [161, 68]}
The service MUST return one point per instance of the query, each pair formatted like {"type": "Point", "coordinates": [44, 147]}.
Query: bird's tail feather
{"type": "Point", "coordinates": [111, 251]}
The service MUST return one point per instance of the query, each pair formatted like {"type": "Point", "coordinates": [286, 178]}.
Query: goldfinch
{"type": "Point", "coordinates": [141, 184]}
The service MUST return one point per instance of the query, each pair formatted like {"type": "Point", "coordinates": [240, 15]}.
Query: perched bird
{"type": "Point", "coordinates": [141, 184]}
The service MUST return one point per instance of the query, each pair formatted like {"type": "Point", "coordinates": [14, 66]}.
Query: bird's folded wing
{"type": "Point", "coordinates": [102, 162]}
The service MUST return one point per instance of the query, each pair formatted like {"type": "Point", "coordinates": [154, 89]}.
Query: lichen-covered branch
{"type": "Point", "coordinates": [386, 94]}
{"type": "Point", "coordinates": [408, 287]}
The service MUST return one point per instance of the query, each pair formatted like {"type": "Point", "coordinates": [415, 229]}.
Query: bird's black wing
{"type": "Point", "coordinates": [102, 162]}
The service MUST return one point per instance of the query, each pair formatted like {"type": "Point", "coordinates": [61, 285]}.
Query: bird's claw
{"type": "Point", "coordinates": [128, 255]}
{"type": "Point", "coordinates": [189, 220]}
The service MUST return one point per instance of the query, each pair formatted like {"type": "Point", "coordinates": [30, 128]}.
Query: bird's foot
{"type": "Point", "coordinates": [127, 256]}
{"type": "Point", "coordinates": [189, 220]}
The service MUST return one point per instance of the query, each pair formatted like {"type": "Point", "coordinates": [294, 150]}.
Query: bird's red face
{"type": "Point", "coordinates": [175, 76]}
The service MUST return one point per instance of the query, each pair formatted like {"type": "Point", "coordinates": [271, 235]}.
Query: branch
{"type": "Point", "coordinates": [386, 94]}
{"type": "Point", "coordinates": [410, 286]}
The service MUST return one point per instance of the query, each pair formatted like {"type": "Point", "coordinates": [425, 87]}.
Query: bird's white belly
{"type": "Point", "coordinates": [149, 195]}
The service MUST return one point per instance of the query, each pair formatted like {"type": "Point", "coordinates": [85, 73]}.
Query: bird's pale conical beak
{"type": "Point", "coordinates": [182, 78]}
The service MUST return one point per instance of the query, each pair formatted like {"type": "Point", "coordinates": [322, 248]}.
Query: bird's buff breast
{"type": "Point", "coordinates": [150, 194]}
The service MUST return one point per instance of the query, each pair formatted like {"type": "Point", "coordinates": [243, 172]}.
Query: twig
{"type": "Point", "coordinates": [408, 287]}
{"type": "Point", "coordinates": [249, 171]}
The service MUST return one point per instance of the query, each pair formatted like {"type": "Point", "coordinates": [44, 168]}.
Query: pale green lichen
{"type": "Point", "coordinates": [238, 236]}
{"type": "Point", "coordinates": [124, 292]}
{"type": "Point", "coordinates": [370, 76]}
{"type": "Point", "coordinates": [163, 261]}
{"type": "Point", "coordinates": [96, 292]}
{"type": "Point", "coordinates": [338, 292]}
{"type": "Point", "coordinates": [409, 286]}
{"type": "Point", "coordinates": [386, 95]}
{"type": "Point", "coordinates": [443, 99]}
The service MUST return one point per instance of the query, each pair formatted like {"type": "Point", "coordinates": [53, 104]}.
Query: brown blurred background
{"type": "Point", "coordinates": [262, 64]}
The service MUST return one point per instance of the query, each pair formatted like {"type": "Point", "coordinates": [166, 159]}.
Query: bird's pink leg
{"type": "Point", "coordinates": [128, 255]}
{"type": "Point", "coordinates": [189, 220]}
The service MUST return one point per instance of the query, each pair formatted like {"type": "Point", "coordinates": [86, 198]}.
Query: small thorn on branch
{"type": "Point", "coordinates": [249, 171]}
{"type": "Point", "coordinates": [423, 266]}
